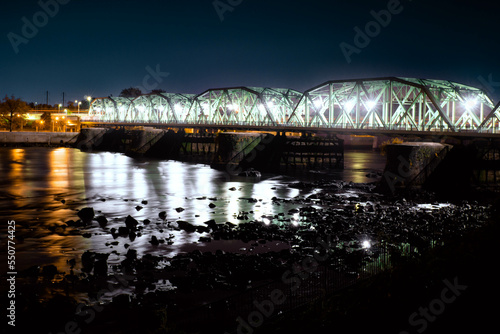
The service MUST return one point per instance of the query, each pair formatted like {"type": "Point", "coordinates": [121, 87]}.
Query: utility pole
{"type": "Point", "coordinates": [63, 100]}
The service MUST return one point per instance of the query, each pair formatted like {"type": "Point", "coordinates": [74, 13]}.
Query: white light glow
{"type": "Point", "coordinates": [370, 105]}
{"type": "Point", "coordinates": [349, 105]}
{"type": "Point", "coordinates": [471, 103]}
{"type": "Point", "coordinates": [318, 103]}
{"type": "Point", "coordinates": [366, 244]}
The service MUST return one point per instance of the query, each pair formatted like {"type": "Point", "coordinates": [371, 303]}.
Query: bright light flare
{"type": "Point", "coordinates": [370, 105]}
{"type": "Point", "coordinates": [349, 105]}
{"type": "Point", "coordinates": [366, 244]}
{"type": "Point", "coordinates": [470, 103]}
{"type": "Point", "coordinates": [318, 103]}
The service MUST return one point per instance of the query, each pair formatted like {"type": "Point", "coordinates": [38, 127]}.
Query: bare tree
{"type": "Point", "coordinates": [13, 108]}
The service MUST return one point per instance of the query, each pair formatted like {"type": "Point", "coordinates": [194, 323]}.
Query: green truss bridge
{"type": "Point", "coordinates": [369, 106]}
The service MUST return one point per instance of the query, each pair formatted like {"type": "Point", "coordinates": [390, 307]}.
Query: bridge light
{"type": "Point", "coordinates": [349, 105]}
{"type": "Point", "coordinates": [178, 107]}
{"type": "Point", "coordinates": [318, 103]}
{"type": "Point", "coordinates": [370, 105]}
{"type": "Point", "coordinates": [470, 103]}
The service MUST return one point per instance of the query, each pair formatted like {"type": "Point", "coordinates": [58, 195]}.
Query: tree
{"type": "Point", "coordinates": [12, 108]}
{"type": "Point", "coordinates": [131, 92]}
{"type": "Point", "coordinates": [158, 91]}
{"type": "Point", "coordinates": [46, 120]}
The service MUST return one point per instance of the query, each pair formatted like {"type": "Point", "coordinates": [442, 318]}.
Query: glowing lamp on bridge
{"type": "Point", "coordinates": [470, 103]}
{"type": "Point", "coordinates": [318, 103]}
{"type": "Point", "coordinates": [349, 105]}
{"type": "Point", "coordinates": [370, 105]}
{"type": "Point", "coordinates": [177, 107]}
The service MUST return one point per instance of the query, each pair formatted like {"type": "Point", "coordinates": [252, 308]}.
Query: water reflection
{"type": "Point", "coordinates": [43, 188]}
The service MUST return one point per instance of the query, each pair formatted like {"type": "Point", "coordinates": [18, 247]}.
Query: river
{"type": "Point", "coordinates": [42, 188]}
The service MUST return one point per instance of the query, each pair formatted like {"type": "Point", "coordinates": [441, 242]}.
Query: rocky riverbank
{"type": "Point", "coordinates": [149, 292]}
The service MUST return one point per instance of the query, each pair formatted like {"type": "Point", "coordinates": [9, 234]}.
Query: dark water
{"type": "Point", "coordinates": [42, 188]}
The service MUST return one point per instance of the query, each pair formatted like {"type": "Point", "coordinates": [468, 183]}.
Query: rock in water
{"type": "Point", "coordinates": [154, 241]}
{"type": "Point", "coordinates": [131, 223]}
{"type": "Point", "coordinates": [179, 209]}
{"type": "Point", "coordinates": [102, 221]}
{"type": "Point", "coordinates": [163, 215]}
{"type": "Point", "coordinates": [86, 215]}
{"type": "Point", "coordinates": [212, 205]}
{"type": "Point", "coordinates": [101, 267]}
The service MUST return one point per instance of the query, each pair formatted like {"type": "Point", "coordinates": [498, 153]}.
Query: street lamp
{"type": "Point", "coordinates": [89, 98]}
{"type": "Point", "coordinates": [59, 107]}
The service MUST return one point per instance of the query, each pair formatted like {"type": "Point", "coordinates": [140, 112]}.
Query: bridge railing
{"type": "Point", "coordinates": [313, 126]}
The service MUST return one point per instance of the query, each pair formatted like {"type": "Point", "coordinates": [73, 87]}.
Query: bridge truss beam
{"type": "Point", "coordinates": [380, 104]}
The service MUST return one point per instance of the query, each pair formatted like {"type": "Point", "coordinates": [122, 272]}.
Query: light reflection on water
{"type": "Point", "coordinates": [42, 187]}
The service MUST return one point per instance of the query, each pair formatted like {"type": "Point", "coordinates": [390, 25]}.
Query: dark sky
{"type": "Point", "coordinates": [100, 47]}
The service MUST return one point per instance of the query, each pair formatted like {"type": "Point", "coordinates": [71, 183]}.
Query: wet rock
{"type": "Point", "coordinates": [146, 221]}
{"type": "Point", "coordinates": [102, 221]}
{"type": "Point", "coordinates": [154, 241]}
{"type": "Point", "coordinates": [87, 235]}
{"type": "Point", "coordinates": [144, 202]}
{"type": "Point", "coordinates": [132, 235]}
{"type": "Point", "coordinates": [131, 254]}
{"type": "Point", "coordinates": [88, 259]}
{"type": "Point", "coordinates": [179, 209]}
{"type": "Point", "coordinates": [138, 208]}
{"type": "Point", "coordinates": [131, 223]}
{"type": "Point", "coordinates": [232, 189]}
{"type": "Point", "coordinates": [184, 225]}
{"type": "Point", "coordinates": [205, 239]}
{"type": "Point", "coordinates": [101, 267]}
{"type": "Point", "coordinates": [212, 205]}
{"type": "Point", "coordinates": [49, 271]}
{"type": "Point", "coordinates": [163, 215]}
{"type": "Point", "coordinates": [72, 263]}
{"type": "Point", "coordinates": [63, 201]}
{"type": "Point", "coordinates": [86, 215]}
{"type": "Point", "coordinates": [122, 230]}
{"type": "Point", "coordinates": [211, 223]}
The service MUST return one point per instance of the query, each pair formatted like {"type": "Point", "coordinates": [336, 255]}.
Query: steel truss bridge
{"type": "Point", "coordinates": [371, 106]}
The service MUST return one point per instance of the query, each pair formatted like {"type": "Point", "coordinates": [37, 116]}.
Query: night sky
{"type": "Point", "coordinates": [100, 47]}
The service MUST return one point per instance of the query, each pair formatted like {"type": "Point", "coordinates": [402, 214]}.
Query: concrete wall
{"type": "Point", "coordinates": [26, 138]}
{"type": "Point", "coordinates": [411, 164]}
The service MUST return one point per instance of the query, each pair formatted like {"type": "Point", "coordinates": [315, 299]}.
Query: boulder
{"type": "Point", "coordinates": [86, 215]}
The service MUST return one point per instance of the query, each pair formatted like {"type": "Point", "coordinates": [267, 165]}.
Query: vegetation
{"type": "Point", "coordinates": [12, 112]}
{"type": "Point", "coordinates": [131, 92]}
{"type": "Point", "coordinates": [389, 142]}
